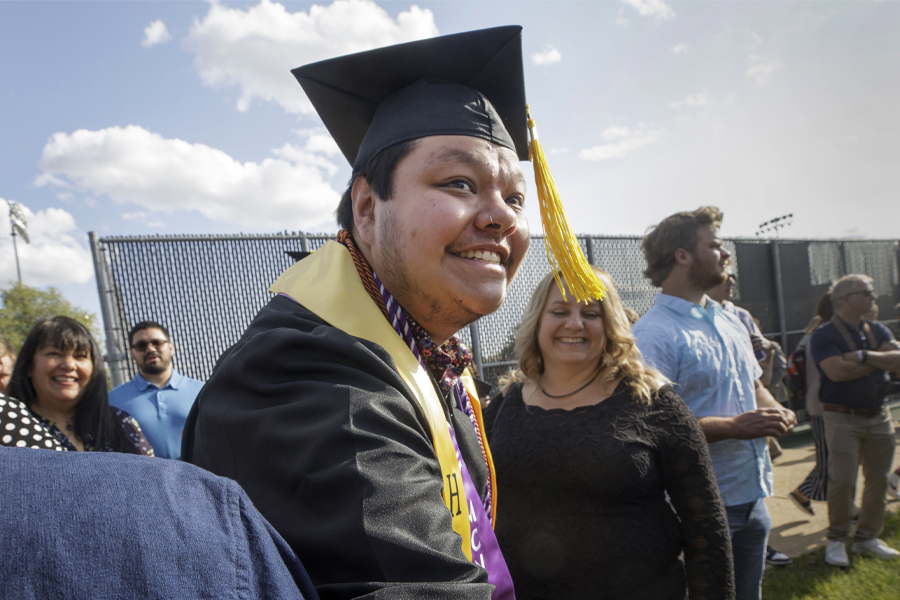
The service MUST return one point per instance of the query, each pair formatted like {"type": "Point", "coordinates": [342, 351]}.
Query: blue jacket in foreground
{"type": "Point", "coordinates": [116, 526]}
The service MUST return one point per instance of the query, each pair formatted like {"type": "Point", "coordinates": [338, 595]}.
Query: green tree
{"type": "Point", "coordinates": [23, 305]}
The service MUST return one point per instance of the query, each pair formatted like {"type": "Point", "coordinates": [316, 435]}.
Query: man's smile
{"type": "Point", "coordinates": [485, 255]}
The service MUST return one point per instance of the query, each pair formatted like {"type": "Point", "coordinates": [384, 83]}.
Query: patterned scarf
{"type": "Point", "coordinates": [446, 362]}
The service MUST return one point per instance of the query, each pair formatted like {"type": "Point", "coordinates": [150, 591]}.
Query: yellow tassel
{"type": "Point", "coordinates": [563, 250]}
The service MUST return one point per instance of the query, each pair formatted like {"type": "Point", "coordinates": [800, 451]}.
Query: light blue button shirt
{"type": "Point", "coordinates": [161, 412]}
{"type": "Point", "coordinates": [707, 354]}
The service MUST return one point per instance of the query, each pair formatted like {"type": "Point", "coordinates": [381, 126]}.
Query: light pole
{"type": "Point", "coordinates": [19, 224]}
{"type": "Point", "coordinates": [775, 224]}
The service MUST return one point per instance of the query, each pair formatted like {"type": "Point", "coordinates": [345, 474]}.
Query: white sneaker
{"type": "Point", "coordinates": [874, 547]}
{"type": "Point", "coordinates": [836, 554]}
{"type": "Point", "coordinates": [894, 486]}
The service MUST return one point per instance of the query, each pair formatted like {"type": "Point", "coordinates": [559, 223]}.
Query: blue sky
{"type": "Point", "coordinates": [132, 118]}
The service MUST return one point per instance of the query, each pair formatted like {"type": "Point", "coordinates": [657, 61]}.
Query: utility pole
{"type": "Point", "coordinates": [17, 223]}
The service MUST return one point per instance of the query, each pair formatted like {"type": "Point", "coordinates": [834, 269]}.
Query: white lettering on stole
{"type": "Point", "coordinates": [477, 556]}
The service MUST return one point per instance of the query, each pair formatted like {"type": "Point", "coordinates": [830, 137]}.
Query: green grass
{"type": "Point", "coordinates": [809, 578]}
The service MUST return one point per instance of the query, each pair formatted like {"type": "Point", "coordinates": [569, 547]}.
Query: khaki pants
{"type": "Point", "coordinates": [854, 441]}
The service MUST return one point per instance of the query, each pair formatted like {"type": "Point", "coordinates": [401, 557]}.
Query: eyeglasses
{"type": "Point", "coordinates": [142, 346]}
{"type": "Point", "coordinates": [869, 293]}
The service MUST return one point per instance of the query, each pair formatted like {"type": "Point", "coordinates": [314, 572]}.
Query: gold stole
{"type": "Point", "coordinates": [327, 284]}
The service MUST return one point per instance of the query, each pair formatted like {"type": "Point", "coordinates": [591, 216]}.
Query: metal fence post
{"type": "Point", "coordinates": [114, 355]}
{"type": "Point", "coordinates": [779, 295]}
{"type": "Point", "coordinates": [304, 242]}
{"type": "Point", "coordinates": [844, 259]}
{"type": "Point", "coordinates": [897, 272]}
{"type": "Point", "coordinates": [476, 349]}
{"type": "Point", "coordinates": [589, 244]}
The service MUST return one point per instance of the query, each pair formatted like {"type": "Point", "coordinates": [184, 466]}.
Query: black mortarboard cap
{"type": "Point", "coordinates": [464, 84]}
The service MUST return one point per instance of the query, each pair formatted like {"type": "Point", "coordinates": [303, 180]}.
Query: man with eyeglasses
{"type": "Point", "coordinates": [854, 356]}
{"type": "Point", "coordinates": [159, 397]}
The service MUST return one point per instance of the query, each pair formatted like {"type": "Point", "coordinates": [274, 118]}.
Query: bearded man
{"type": "Point", "coordinates": [158, 397]}
{"type": "Point", "coordinates": [707, 354]}
{"type": "Point", "coordinates": [346, 411]}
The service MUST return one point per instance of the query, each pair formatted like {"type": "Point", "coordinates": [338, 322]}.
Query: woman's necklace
{"type": "Point", "coordinates": [68, 423]}
{"type": "Point", "coordinates": [543, 391]}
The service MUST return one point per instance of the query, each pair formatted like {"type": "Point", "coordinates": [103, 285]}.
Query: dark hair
{"type": "Point", "coordinates": [676, 231]}
{"type": "Point", "coordinates": [94, 421]}
{"type": "Point", "coordinates": [379, 172]}
{"type": "Point", "coordinates": [823, 314]}
{"type": "Point", "coordinates": [824, 309]}
{"type": "Point", "coordinates": [147, 325]}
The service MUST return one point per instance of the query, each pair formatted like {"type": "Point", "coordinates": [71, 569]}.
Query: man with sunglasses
{"type": "Point", "coordinates": [159, 397]}
{"type": "Point", "coordinates": [854, 356]}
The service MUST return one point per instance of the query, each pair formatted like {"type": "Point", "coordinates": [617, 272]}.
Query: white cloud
{"type": "Point", "coordinates": [654, 9]}
{"type": "Point", "coordinates": [255, 49]}
{"type": "Point", "coordinates": [621, 141]}
{"type": "Point", "coordinates": [760, 69]}
{"type": "Point", "coordinates": [698, 100]}
{"type": "Point", "coordinates": [755, 41]}
{"type": "Point", "coordinates": [680, 49]}
{"type": "Point", "coordinates": [547, 56]}
{"type": "Point", "coordinates": [134, 166]}
{"type": "Point", "coordinates": [155, 33]}
{"type": "Point", "coordinates": [319, 141]}
{"type": "Point", "coordinates": [57, 253]}
{"type": "Point", "coordinates": [144, 218]}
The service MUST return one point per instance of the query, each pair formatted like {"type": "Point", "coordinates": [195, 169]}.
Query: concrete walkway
{"type": "Point", "coordinates": [793, 531]}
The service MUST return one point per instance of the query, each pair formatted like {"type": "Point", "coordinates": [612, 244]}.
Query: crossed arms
{"type": "Point", "coordinates": [847, 367]}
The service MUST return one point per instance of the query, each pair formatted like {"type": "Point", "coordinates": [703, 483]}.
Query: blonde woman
{"type": "Point", "coordinates": [588, 442]}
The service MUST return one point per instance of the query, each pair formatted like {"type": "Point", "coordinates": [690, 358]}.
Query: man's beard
{"type": "Point", "coordinates": [703, 278]}
{"type": "Point", "coordinates": [404, 285]}
{"type": "Point", "coordinates": [156, 368]}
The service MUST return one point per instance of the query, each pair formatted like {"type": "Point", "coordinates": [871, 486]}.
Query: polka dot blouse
{"type": "Point", "coordinates": [21, 428]}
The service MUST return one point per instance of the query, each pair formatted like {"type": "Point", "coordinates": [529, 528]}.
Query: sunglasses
{"type": "Point", "coordinates": [156, 344]}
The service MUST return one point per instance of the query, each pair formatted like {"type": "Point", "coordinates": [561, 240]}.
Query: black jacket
{"type": "Point", "coordinates": [331, 445]}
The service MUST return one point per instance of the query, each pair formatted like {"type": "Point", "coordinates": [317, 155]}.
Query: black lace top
{"type": "Point", "coordinates": [582, 507]}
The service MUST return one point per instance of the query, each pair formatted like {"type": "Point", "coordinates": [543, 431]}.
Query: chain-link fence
{"type": "Point", "coordinates": [207, 289]}
{"type": "Point", "coordinates": [781, 281]}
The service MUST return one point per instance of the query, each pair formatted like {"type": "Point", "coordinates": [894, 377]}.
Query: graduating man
{"type": "Point", "coordinates": [345, 410]}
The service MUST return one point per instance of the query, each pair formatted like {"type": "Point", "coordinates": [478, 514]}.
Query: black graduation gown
{"type": "Point", "coordinates": [331, 445]}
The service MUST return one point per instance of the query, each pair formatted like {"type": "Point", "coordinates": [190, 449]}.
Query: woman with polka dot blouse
{"type": "Point", "coordinates": [57, 396]}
